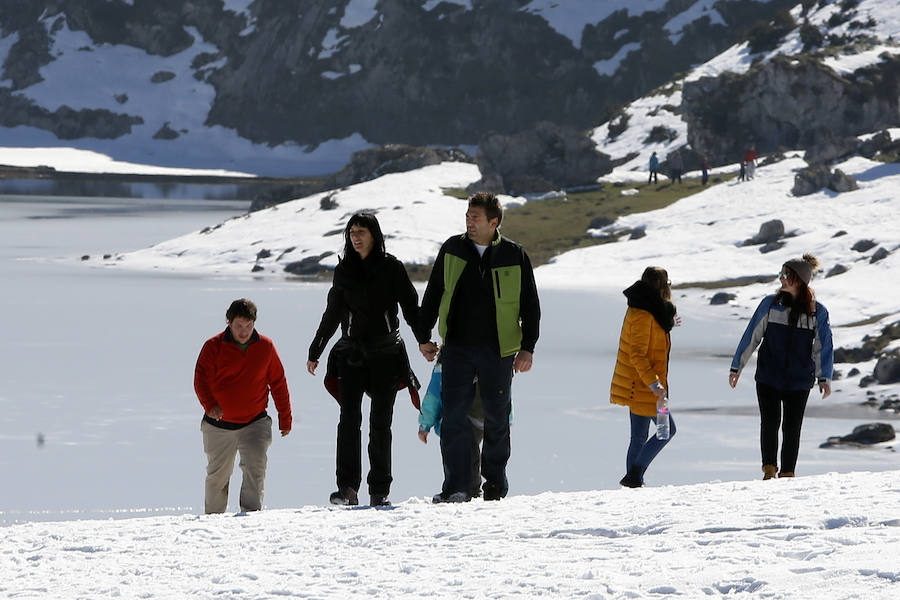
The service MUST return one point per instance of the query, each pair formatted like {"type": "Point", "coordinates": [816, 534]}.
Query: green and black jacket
{"type": "Point", "coordinates": [489, 299]}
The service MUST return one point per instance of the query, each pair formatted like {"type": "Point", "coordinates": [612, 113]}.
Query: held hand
{"type": "Point", "coordinates": [215, 412]}
{"type": "Point", "coordinates": [285, 432]}
{"type": "Point", "coordinates": [523, 361]}
{"type": "Point", "coordinates": [733, 379]}
{"type": "Point", "coordinates": [428, 350]}
{"type": "Point", "coordinates": [311, 366]}
{"type": "Point", "coordinates": [658, 390]}
{"type": "Point", "coordinates": [423, 435]}
{"type": "Point", "coordinates": [825, 389]}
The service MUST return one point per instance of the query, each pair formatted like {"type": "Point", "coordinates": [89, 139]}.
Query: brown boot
{"type": "Point", "coordinates": [786, 474]}
{"type": "Point", "coordinates": [769, 471]}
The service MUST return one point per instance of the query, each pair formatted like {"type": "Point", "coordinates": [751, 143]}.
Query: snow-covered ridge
{"type": "Point", "coordinates": [828, 536]}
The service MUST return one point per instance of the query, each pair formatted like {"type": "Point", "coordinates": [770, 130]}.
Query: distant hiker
{"type": "Point", "coordinates": [431, 415]}
{"type": "Point", "coordinates": [370, 358]}
{"type": "Point", "coordinates": [654, 169]}
{"type": "Point", "coordinates": [750, 157]}
{"type": "Point", "coordinates": [482, 289]}
{"type": "Point", "coordinates": [743, 174]}
{"type": "Point", "coordinates": [235, 372]}
{"type": "Point", "coordinates": [642, 365]}
{"type": "Point", "coordinates": [704, 171]}
{"type": "Point", "coordinates": [796, 353]}
{"type": "Point", "coordinates": [677, 166]}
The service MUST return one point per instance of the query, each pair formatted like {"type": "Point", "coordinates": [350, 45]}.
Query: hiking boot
{"type": "Point", "coordinates": [379, 500]}
{"type": "Point", "coordinates": [786, 474]}
{"type": "Point", "coordinates": [344, 497]}
{"type": "Point", "coordinates": [769, 472]}
{"type": "Point", "coordinates": [454, 497]}
{"type": "Point", "coordinates": [634, 478]}
{"type": "Point", "coordinates": [492, 492]}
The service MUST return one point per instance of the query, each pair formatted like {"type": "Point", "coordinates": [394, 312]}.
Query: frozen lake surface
{"type": "Point", "coordinates": [98, 366]}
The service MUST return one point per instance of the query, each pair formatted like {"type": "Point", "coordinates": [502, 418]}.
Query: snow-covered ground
{"type": "Point", "coordinates": [830, 536]}
{"type": "Point", "coordinates": [86, 161]}
{"type": "Point", "coordinates": [100, 443]}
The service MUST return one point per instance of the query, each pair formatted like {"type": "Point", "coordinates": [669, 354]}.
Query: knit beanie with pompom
{"type": "Point", "coordinates": [803, 267]}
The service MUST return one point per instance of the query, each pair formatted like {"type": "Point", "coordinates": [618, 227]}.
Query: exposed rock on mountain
{"type": "Point", "coordinates": [546, 158]}
{"type": "Point", "coordinates": [789, 102]}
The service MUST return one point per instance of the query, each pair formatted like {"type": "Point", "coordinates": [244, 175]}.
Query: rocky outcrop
{"type": "Point", "coordinates": [790, 102]}
{"type": "Point", "coordinates": [769, 232]}
{"type": "Point", "coordinates": [64, 122]}
{"type": "Point", "coordinates": [549, 157]}
{"type": "Point", "coordinates": [393, 158]}
{"type": "Point", "coordinates": [813, 179]}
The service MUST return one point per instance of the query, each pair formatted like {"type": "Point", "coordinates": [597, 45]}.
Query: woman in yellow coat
{"type": "Point", "coordinates": [642, 367]}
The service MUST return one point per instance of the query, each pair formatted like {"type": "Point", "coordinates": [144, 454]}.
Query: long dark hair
{"type": "Point", "coordinates": [658, 279]}
{"type": "Point", "coordinates": [367, 220]}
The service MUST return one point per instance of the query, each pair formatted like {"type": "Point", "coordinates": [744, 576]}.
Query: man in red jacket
{"type": "Point", "coordinates": [235, 372]}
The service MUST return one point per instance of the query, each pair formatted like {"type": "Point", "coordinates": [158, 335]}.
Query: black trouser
{"type": "Point", "coordinates": [380, 382]}
{"type": "Point", "coordinates": [461, 364]}
{"type": "Point", "coordinates": [771, 404]}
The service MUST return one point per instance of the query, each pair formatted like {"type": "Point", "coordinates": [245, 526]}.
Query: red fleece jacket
{"type": "Point", "coordinates": [239, 381]}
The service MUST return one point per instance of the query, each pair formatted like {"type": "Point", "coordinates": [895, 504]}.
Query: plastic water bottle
{"type": "Point", "coordinates": [662, 418]}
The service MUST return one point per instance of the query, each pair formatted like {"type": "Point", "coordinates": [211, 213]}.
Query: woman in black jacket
{"type": "Point", "coordinates": [370, 356]}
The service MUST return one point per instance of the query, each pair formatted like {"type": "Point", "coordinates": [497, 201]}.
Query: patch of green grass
{"type": "Point", "coordinates": [455, 193]}
{"type": "Point", "coordinates": [871, 320]}
{"type": "Point", "coordinates": [726, 283]}
{"type": "Point", "coordinates": [550, 227]}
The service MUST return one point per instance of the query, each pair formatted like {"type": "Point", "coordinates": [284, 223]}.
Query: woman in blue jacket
{"type": "Point", "coordinates": [796, 353]}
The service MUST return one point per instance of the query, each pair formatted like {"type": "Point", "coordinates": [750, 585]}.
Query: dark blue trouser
{"type": "Point", "coordinates": [461, 364]}
{"type": "Point", "coordinates": [641, 450]}
{"type": "Point", "coordinates": [771, 402]}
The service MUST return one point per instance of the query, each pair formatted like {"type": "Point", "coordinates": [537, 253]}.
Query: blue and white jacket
{"type": "Point", "coordinates": [791, 357]}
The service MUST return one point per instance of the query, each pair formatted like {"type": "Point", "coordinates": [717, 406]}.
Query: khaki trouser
{"type": "Point", "coordinates": [221, 446]}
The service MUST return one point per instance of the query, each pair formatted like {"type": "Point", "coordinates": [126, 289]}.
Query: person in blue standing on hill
{"type": "Point", "coordinates": [654, 169]}
{"type": "Point", "coordinates": [796, 353]}
{"type": "Point", "coordinates": [641, 373]}
{"type": "Point", "coordinates": [482, 292]}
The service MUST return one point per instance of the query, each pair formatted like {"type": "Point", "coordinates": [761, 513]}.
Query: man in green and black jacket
{"type": "Point", "coordinates": [483, 296]}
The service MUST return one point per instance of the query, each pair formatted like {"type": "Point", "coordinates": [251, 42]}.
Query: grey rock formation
{"type": "Point", "coordinates": [790, 102]}
{"type": "Point", "coordinates": [863, 245]}
{"type": "Point", "coordinates": [836, 270]}
{"type": "Point", "coordinates": [64, 122]}
{"type": "Point", "coordinates": [811, 180]}
{"type": "Point", "coordinates": [722, 298]}
{"type": "Point", "coordinates": [546, 158]}
{"type": "Point", "coordinates": [393, 158]}
{"type": "Point", "coordinates": [769, 232]}
{"type": "Point", "coordinates": [879, 254]}
{"type": "Point", "coordinates": [887, 370]}
{"type": "Point", "coordinates": [841, 182]}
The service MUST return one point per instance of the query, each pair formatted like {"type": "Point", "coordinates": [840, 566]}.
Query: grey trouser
{"type": "Point", "coordinates": [221, 446]}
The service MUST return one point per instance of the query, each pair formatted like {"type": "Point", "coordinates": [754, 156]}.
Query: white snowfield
{"type": "Point", "coordinates": [831, 536]}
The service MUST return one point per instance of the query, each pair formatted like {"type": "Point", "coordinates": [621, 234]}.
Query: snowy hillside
{"type": "Point", "coordinates": [276, 89]}
{"type": "Point", "coordinates": [660, 110]}
{"type": "Point", "coordinates": [834, 536]}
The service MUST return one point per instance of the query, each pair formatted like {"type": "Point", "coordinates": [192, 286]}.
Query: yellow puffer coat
{"type": "Point", "coordinates": [642, 359]}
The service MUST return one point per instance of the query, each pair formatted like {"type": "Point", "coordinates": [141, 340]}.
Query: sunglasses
{"type": "Point", "coordinates": [785, 275]}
